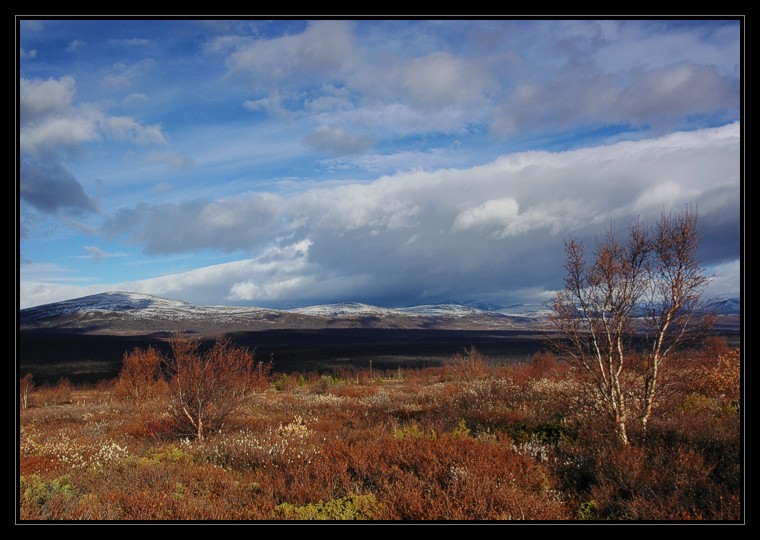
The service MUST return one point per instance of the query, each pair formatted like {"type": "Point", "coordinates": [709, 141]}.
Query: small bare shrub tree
{"type": "Point", "coordinates": [620, 316]}
{"type": "Point", "coordinates": [139, 374]}
{"type": "Point", "coordinates": [542, 363]}
{"type": "Point", "coordinates": [470, 365]}
{"type": "Point", "coordinates": [25, 386]}
{"type": "Point", "coordinates": [207, 389]}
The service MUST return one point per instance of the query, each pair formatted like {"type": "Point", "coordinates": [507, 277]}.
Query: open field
{"type": "Point", "coordinates": [472, 439]}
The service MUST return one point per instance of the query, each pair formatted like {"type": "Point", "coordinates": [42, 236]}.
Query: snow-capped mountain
{"type": "Point", "coordinates": [125, 312]}
{"type": "Point", "coordinates": [134, 305]}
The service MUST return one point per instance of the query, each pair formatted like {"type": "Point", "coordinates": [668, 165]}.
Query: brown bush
{"type": "Point", "coordinates": [58, 394]}
{"type": "Point", "coordinates": [543, 363]}
{"type": "Point", "coordinates": [139, 377]}
{"type": "Point", "coordinates": [208, 389]}
{"type": "Point", "coordinates": [470, 365]}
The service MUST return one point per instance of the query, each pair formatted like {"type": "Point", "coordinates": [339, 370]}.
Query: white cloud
{"type": "Point", "coordinates": [130, 42]}
{"type": "Point", "coordinates": [379, 98]}
{"type": "Point", "coordinates": [172, 160]}
{"type": "Point", "coordinates": [627, 46]}
{"type": "Point", "coordinates": [272, 290]}
{"type": "Point", "coordinates": [162, 187]}
{"type": "Point", "coordinates": [50, 122]}
{"type": "Point", "coordinates": [225, 44]}
{"type": "Point", "coordinates": [336, 141]}
{"type": "Point", "coordinates": [134, 99]}
{"type": "Point", "coordinates": [56, 134]}
{"type": "Point", "coordinates": [724, 279]}
{"type": "Point", "coordinates": [76, 46]}
{"type": "Point", "coordinates": [95, 252]}
{"type": "Point", "coordinates": [27, 55]}
{"type": "Point", "coordinates": [674, 91]}
{"type": "Point", "coordinates": [33, 293]}
{"type": "Point", "coordinates": [35, 271]}
{"type": "Point", "coordinates": [127, 128]}
{"type": "Point", "coordinates": [386, 81]}
{"type": "Point", "coordinates": [332, 98]}
{"type": "Point", "coordinates": [583, 96]}
{"type": "Point", "coordinates": [123, 76]}
{"type": "Point", "coordinates": [321, 51]}
{"type": "Point", "coordinates": [428, 82]}
{"type": "Point", "coordinates": [40, 98]}
{"type": "Point", "coordinates": [237, 223]}
{"type": "Point", "coordinates": [416, 235]}
{"type": "Point", "coordinates": [494, 212]}
{"type": "Point", "coordinates": [273, 105]}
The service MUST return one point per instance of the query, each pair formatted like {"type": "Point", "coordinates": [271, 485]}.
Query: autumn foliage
{"type": "Point", "coordinates": [474, 440]}
{"type": "Point", "coordinates": [141, 378]}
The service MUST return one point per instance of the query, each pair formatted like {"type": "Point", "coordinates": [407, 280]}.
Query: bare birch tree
{"type": "Point", "coordinates": [672, 303]}
{"type": "Point", "coordinates": [207, 389]}
{"type": "Point", "coordinates": [598, 314]}
{"type": "Point", "coordinates": [26, 386]}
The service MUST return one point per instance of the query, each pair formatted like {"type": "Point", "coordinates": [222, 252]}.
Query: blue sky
{"type": "Point", "coordinates": [286, 163]}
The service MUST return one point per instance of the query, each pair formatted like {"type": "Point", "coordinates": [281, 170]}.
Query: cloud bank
{"type": "Point", "coordinates": [494, 231]}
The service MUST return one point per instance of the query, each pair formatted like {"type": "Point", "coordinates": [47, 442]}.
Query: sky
{"type": "Point", "coordinates": [393, 162]}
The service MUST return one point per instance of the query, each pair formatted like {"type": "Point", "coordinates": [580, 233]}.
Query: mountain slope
{"type": "Point", "coordinates": [134, 313]}
{"type": "Point", "coordinates": [130, 313]}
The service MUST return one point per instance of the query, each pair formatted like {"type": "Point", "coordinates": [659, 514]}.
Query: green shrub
{"type": "Point", "coordinates": [411, 431]}
{"type": "Point", "coordinates": [166, 454]}
{"type": "Point", "coordinates": [551, 432]}
{"type": "Point", "coordinates": [461, 430]}
{"type": "Point", "coordinates": [587, 511]}
{"type": "Point", "coordinates": [36, 491]}
{"type": "Point", "coordinates": [353, 507]}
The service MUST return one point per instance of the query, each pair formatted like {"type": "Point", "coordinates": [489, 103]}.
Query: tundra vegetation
{"type": "Point", "coordinates": [216, 435]}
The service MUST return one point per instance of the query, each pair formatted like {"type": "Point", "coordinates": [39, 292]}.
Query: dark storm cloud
{"type": "Point", "coordinates": [229, 224]}
{"type": "Point", "coordinates": [50, 187]}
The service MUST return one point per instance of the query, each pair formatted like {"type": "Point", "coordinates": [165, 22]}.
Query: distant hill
{"type": "Point", "coordinates": [127, 313]}
{"type": "Point", "coordinates": [85, 338]}
{"type": "Point", "coordinates": [729, 306]}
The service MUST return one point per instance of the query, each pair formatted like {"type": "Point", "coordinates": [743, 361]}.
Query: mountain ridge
{"type": "Point", "coordinates": [129, 312]}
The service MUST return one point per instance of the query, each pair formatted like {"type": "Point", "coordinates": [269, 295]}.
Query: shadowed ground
{"type": "Point", "coordinates": [50, 355]}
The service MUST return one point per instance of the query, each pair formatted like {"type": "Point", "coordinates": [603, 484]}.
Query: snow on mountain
{"type": "Point", "coordinates": [450, 310]}
{"type": "Point", "coordinates": [344, 309]}
{"type": "Point", "coordinates": [364, 310]}
{"type": "Point", "coordinates": [106, 302]}
{"type": "Point", "coordinates": [525, 310]}
{"type": "Point", "coordinates": [135, 306]}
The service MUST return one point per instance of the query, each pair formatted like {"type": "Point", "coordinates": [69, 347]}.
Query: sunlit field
{"type": "Point", "coordinates": [465, 441]}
